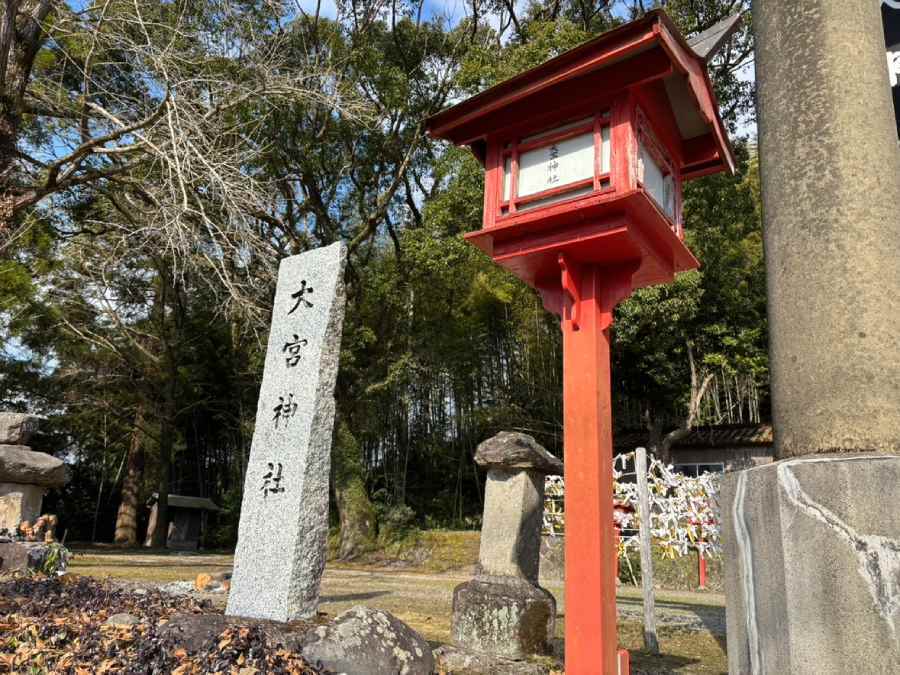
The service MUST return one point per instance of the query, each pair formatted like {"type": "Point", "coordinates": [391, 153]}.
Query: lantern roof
{"type": "Point", "coordinates": [648, 54]}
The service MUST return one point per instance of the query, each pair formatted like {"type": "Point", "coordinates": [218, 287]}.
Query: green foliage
{"type": "Point", "coordinates": [441, 348]}
{"type": "Point", "coordinates": [56, 560]}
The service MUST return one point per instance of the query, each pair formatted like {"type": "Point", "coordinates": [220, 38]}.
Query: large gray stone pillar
{"type": "Point", "coordinates": [830, 171]}
{"type": "Point", "coordinates": [813, 541]}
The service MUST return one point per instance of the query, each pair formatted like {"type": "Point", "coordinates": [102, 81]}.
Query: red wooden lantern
{"type": "Point", "coordinates": [585, 157]}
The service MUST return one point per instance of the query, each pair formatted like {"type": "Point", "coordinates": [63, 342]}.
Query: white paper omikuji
{"type": "Point", "coordinates": [684, 509]}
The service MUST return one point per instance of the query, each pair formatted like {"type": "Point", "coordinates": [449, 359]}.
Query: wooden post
{"type": "Point", "coordinates": [651, 642]}
{"type": "Point", "coordinates": [591, 295]}
{"type": "Point", "coordinates": [701, 568]}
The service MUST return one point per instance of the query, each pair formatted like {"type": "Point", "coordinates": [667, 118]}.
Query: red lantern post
{"type": "Point", "coordinates": [584, 157]}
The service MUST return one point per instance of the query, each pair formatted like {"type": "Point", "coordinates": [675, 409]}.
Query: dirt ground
{"type": "Point", "coordinates": [691, 625]}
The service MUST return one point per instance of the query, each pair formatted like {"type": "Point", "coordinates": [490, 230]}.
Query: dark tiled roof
{"type": "Point", "coordinates": [730, 436]}
{"type": "Point", "coordinates": [185, 502]}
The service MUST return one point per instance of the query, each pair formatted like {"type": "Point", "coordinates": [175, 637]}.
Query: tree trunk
{"type": "Point", "coordinates": [662, 445]}
{"type": "Point", "coordinates": [8, 133]}
{"type": "Point", "coordinates": [127, 517]}
{"type": "Point", "coordinates": [166, 442]}
{"type": "Point", "coordinates": [356, 512]}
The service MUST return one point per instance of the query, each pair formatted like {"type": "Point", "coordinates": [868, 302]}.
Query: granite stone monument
{"type": "Point", "coordinates": [283, 527]}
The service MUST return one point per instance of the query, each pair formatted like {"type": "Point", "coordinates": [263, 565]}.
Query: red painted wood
{"type": "Point", "coordinates": [567, 101]}
{"type": "Point", "coordinates": [584, 254]}
{"type": "Point", "coordinates": [634, 55]}
{"type": "Point", "coordinates": [624, 662]}
{"type": "Point", "coordinates": [591, 642]}
{"type": "Point", "coordinates": [493, 184]}
{"type": "Point", "coordinates": [617, 45]}
{"type": "Point", "coordinates": [513, 180]}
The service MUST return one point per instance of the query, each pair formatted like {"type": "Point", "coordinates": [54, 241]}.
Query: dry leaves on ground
{"type": "Point", "coordinates": [56, 625]}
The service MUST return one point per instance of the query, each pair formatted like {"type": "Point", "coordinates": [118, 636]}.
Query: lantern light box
{"type": "Point", "coordinates": [586, 155]}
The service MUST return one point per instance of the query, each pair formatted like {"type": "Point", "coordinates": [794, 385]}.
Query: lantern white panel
{"type": "Point", "coordinates": [556, 165]}
{"type": "Point", "coordinates": [660, 185]}
{"type": "Point", "coordinates": [605, 150]}
{"type": "Point", "coordinates": [507, 178]}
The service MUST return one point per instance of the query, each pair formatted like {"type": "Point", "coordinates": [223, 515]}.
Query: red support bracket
{"type": "Point", "coordinates": [571, 284]}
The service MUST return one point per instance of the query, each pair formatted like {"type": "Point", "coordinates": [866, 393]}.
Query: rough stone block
{"type": "Point", "coordinates": [503, 616]}
{"type": "Point", "coordinates": [813, 580]}
{"type": "Point", "coordinates": [370, 641]}
{"type": "Point", "coordinates": [18, 556]}
{"type": "Point", "coordinates": [511, 526]}
{"type": "Point", "coordinates": [20, 464]}
{"type": "Point", "coordinates": [455, 661]}
{"type": "Point", "coordinates": [19, 502]}
{"type": "Point", "coordinates": [514, 450]}
{"type": "Point", "coordinates": [283, 527]}
{"type": "Point", "coordinates": [17, 428]}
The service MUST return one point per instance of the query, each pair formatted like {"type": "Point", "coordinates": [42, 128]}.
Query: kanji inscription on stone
{"type": "Point", "coordinates": [283, 527]}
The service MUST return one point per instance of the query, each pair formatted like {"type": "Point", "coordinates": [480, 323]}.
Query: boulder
{"type": "Point", "coordinates": [513, 450]}
{"type": "Point", "coordinates": [192, 631]}
{"type": "Point", "coordinates": [364, 641]}
{"type": "Point", "coordinates": [19, 556]}
{"type": "Point", "coordinates": [456, 661]}
{"type": "Point", "coordinates": [503, 616]}
{"type": "Point", "coordinates": [19, 464]}
{"type": "Point", "coordinates": [17, 428]}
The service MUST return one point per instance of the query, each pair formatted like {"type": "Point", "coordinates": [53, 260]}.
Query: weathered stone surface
{"type": "Point", "coordinates": [829, 165]}
{"type": "Point", "coordinates": [192, 631]}
{"type": "Point", "coordinates": [455, 661]}
{"type": "Point", "coordinates": [813, 579]}
{"type": "Point", "coordinates": [19, 464]}
{"type": "Point", "coordinates": [19, 502]}
{"type": "Point", "coordinates": [17, 428]}
{"type": "Point", "coordinates": [283, 528]}
{"type": "Point", "coordinates": [19, 556]}
{"type": "Point", "coordinates": [503, 616]}
{"type": "Point", "coordinates": [122, 619]}
{"type": "Point", "coordinates": [370, 641]}
{"type": "Point", "coordinates": [513, 450]}
{"type": "Point", "coordinates": [511, 525]}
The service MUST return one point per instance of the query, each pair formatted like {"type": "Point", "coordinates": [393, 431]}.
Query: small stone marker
{"type": "Point", "coordinates": [283, 528]}
{"type": "Point", "coordinates": [503, 612]}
